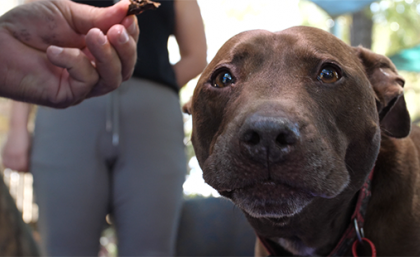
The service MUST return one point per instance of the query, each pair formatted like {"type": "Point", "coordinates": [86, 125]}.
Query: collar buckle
{"type": "Point", "coordinates": [360, 233]}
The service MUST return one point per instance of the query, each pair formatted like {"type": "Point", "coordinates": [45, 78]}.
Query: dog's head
{"type": "Point", "coordinates": [283, 122]}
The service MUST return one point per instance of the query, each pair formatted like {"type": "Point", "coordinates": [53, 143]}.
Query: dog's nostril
{"type": "Point", "coordinates": [281, 139]}
{"type": "Point", "coordinates": [252, 138]}
{"type": "Point", "coordinates": [285, 139]}
{"type": "Point", "coordinates": [267, 139]}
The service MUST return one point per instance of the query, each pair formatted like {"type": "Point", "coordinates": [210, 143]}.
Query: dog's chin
{"type": "Point", "coordinates": [271, 201]}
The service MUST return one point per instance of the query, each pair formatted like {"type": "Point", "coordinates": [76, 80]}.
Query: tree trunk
{"type": "Point", "coordinates": [15, 235]}
{"type": "Point", "coordinates": [361, 29]}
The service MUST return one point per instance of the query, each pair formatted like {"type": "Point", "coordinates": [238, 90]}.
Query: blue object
{"type": "Point", "coordinates": [407, 59]}
{"type": "Point", "coordinates": [336, 8]}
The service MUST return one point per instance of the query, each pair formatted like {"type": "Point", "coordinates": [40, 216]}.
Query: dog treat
{"type": "Point", "coordinates": [139, 6]}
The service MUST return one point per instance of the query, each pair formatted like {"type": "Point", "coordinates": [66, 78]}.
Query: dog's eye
{"type": "Point", "coordinates": [328, 75]}
{"type": "Point", "coordinates": [223, 79]}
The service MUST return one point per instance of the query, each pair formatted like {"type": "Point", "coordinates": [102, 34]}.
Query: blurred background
{"type": "Point", "coordinates": [387, 27]}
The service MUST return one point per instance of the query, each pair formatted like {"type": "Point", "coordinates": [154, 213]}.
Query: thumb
{"type": "Point", "coordinates": [84, 17]}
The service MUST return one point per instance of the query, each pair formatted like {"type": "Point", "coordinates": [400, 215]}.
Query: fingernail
{"type": "Point", "coordinates": [102, 38]}
{"type": "Point", "coordinates": [55, 50]}
{"type": "Point", "coordinates": [132, 27]}
{"type": "Point", "coordinates": [123, 37]}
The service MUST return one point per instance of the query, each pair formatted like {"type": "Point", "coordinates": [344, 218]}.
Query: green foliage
{"type": "Point", "coordinates": [396, 25]}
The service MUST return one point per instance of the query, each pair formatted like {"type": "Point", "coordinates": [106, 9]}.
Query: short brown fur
{"type": "Point", "coordinates": [292, 151]}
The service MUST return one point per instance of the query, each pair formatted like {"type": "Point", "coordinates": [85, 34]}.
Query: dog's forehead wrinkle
{"type": "Point", "coordinates": [255, 45]}
{"type": "Point", "coordinates": [252, 55]}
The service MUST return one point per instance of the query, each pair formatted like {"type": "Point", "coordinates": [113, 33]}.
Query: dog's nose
{"type": "Point", "coordinates": [268, 139]}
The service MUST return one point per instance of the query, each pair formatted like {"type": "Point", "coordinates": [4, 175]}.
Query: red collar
{"type": "Point", "coordinates": [354, 233]}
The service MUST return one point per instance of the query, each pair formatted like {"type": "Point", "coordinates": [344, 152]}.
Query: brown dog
{"type": "Point", "coordinates": [291, 125]}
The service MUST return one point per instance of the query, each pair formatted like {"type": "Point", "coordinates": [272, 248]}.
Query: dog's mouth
{"type": "Point", "coordinates": [270, 200]}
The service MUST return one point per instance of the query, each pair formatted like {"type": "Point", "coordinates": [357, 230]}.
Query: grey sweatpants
{"type": "Point", "coordinates": [80, 175]}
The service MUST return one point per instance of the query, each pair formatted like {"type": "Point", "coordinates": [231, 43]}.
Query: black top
{"type": "Point", "coordinates": [152, 52]}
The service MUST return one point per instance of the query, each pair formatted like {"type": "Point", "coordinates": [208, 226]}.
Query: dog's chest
{"type": "Point", "coordinates": [296, 248]}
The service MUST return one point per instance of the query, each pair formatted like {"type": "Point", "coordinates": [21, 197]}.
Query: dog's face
{"type": "Point", "coordinates": [283, 122]}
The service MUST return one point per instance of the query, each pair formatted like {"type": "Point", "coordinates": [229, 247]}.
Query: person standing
{"type": "Point", "coordinates": [122, 153]}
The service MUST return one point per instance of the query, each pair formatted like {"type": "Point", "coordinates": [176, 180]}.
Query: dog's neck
{"type": "Point", "coordinates": [305, 239]}
{"type": "Point", "coordinates": [296, 247]}
{"type": "Point", "coordinates": [318, 240]}
{"type": "Point", "coordinates": [305, 236]}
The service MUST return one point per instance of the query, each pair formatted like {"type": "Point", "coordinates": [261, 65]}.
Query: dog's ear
{"type": "Point", "coordinates": [186, 108]}
{"type": "Point", "coordinates": [388, 86]}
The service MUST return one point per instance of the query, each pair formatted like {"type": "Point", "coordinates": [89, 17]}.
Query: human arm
{"type": "Point", "coordinates": [189, 33]}
{"type": "Point", "coordinates": [15, 153]}
{"type": "Point", "coordinates": [47, 49]}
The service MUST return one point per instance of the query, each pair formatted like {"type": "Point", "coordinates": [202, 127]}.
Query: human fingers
{"type": "Point", "coordinates": [107, 62]}
{"type": "Point", "coordinates": [125, 45]}
{"type": "Point", "coordinates": [79, 78]}
{"type": "Point", "coordinates": [132, 26]}
{"type": "Point", "coordinates": [83, 17]}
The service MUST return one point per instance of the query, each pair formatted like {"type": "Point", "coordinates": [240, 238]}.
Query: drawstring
{"type": "Point", "coordinates": [112, 116]}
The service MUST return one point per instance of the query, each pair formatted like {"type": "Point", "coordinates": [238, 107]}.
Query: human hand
{"type": "Point", "coordinates": [15, 154]}
{"type": "Point", "coordinates": [81, 63]}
